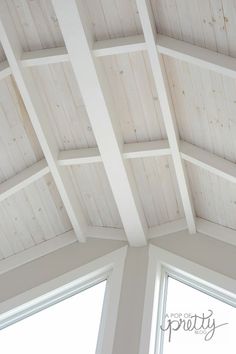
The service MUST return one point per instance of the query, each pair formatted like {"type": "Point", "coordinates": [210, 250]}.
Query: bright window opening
{"type": "Point", "coordinates": [195, 322]}
{"type": "Point", "coordinates": [70, 326]}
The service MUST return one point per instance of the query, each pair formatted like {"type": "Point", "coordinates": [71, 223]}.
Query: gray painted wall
{"type": "Point", "coordinates": [201, 249]}
{"type": "Point", "coordinates": [198, 248]}
{"type": "Point", "coordinates": [53, 265]}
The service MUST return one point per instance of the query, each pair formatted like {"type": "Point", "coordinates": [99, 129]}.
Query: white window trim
{"type": "Point", "coordinates": [109, 267]}
{"type": "Point", "coordinates": [161, 264]}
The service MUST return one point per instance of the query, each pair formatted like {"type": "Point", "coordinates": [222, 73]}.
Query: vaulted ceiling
{"type": "Point", "coordinates": [118, 120]}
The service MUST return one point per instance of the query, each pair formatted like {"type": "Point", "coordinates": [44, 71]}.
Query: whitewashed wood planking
{"type": "Point", "coordinates": [208, 161]}
{"type": "Point", "coordinates": [204, 102]}
{"type": "Point", "coordinates": [167, 108]}
{"type": "Point", "coordinates": [199, 56]}
{"type": "Point", "coordinates": [64, 106]}
{"type": "Point", "coordinates": [135, 98]}
{"type": "Point", "coordinates": [23, 179]}
{"type": "Point", "coordinates": [38, 117]}
{"type": "Point", "coordinates": [191, 153]}
{"type": "Point", "coordinates": [205, 106]}
{"type": "Point", "coordinates": [158, 189]}
{"type": "Point", "coordinates": [35, 23]}
{"type": "Point", "coordinates": [19, 147]}
{"type": "Point", "coordinates": [80, 157]}
{"type": "Point", "coordinates": [214, 198]}
{"type": "Point", "coordinates": [112, 19]}
{"type": "Point", "coordinates": [93, 189]}
{"type": "Point", "coordinates": [31, 216]}
{"type": "Point", "coordinates": [209, 24]}
{"type": "Point", "coordinates": [174, 48]}
{"type": "Point", "coordinates": [95, 93]}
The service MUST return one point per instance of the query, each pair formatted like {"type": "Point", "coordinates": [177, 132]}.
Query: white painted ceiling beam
{"type": "Point", "coordinates": [119, 46]}
{"type": "Point", "coordinates": [130, 151]}
{"type": "Point", "coordinates": [167, 228]}
{"type": "Point", "coordinates": [44, 56]}
{"type": "Point", "coordinates": [208, 228]}
{"type": "Point", "coordinates": [79, 157]}
{"type": "Point", "coordinates": [101, 48]}
{"type": "Point", "coordinates": [109, 233]}
{"type": "Point", "coordinates": [23, 179]}
{"type": "Point", "coordinates": [158, 70]}
{"type": "Point", "coordinates": [196, 55]}
{"type": "Point", "coordinates": [171, 47]}
{"type": "Point", "coordinates": [189, 152]}
{"type": "Point", "coordinates": [146, 149]}
{"type": "Point", "coordinates": [219, 232]}
{"type": "Point", "coordinates": [208, 161]}
{"type": "Point", "coordinates": [99, 108]}
{"type": "Point", "coordinates": [35, 109]}
{"type": "Point", "coordinates": [56, 243]}
{"type": "Point", "coordinates": [189, 53]}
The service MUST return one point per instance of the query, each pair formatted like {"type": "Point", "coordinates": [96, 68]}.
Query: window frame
{"type": "Point", "coordinates": [163, 264]}
{"type": "Point", "coordinates": [109, 267]}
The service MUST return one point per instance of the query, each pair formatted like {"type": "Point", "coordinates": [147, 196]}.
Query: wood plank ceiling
{"type": "Point", "coordinates": [142, 146]}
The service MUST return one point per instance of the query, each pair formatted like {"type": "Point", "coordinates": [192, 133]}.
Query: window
{"type": "Point", "coordinates": [178, 289]}
{"type": "Point", "coordinates": [70, 326]}
{"type": "Point", "coordinates": [94, 288]}
{"type": "Point", "coordinates": [195, 322]}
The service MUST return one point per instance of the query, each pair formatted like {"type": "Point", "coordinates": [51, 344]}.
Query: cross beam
{"type": "Point", "coordinates": [189, 152]}
{"type": "Point", "coordinates": [174, 48]}
{"type": "Point", "coordinates": [165, 45]}
{"type": "Point", "coordinates": [34, 107]}
{"type": "Point", "coordinates": [101, 114]}
{"type": "Point", "coordinates": [159, 75]}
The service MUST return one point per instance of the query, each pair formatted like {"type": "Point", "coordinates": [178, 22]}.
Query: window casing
{"type": "Point", "coordinates": [109, 267]}
{"type": "Point", "coordinates": [163, 264]}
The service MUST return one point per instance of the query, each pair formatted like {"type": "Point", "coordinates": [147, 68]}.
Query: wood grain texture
{"type": "Point", "coordinates": [205, 107]}
{"type": "Point", "coordinates": [112, 19]}
{"type": "Point", "coordinates": [134, 95]}
{"type": "Point", "coordinates": [93, 190]}
{"type": "Point", "coordinates": [64, 106]}
{"type": "Point", "coordinates": [206, 23]}
{"type": "Point", "coordinates": [19, 147]}
{"type": "Point", "coordinates": [35, 23]}
{"type": "Point", "coordinates": [214, 198]}
{"type": "Point", "coordinates": [158, 190]}
{"type": "Point", "coordinates": [31, 216]}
